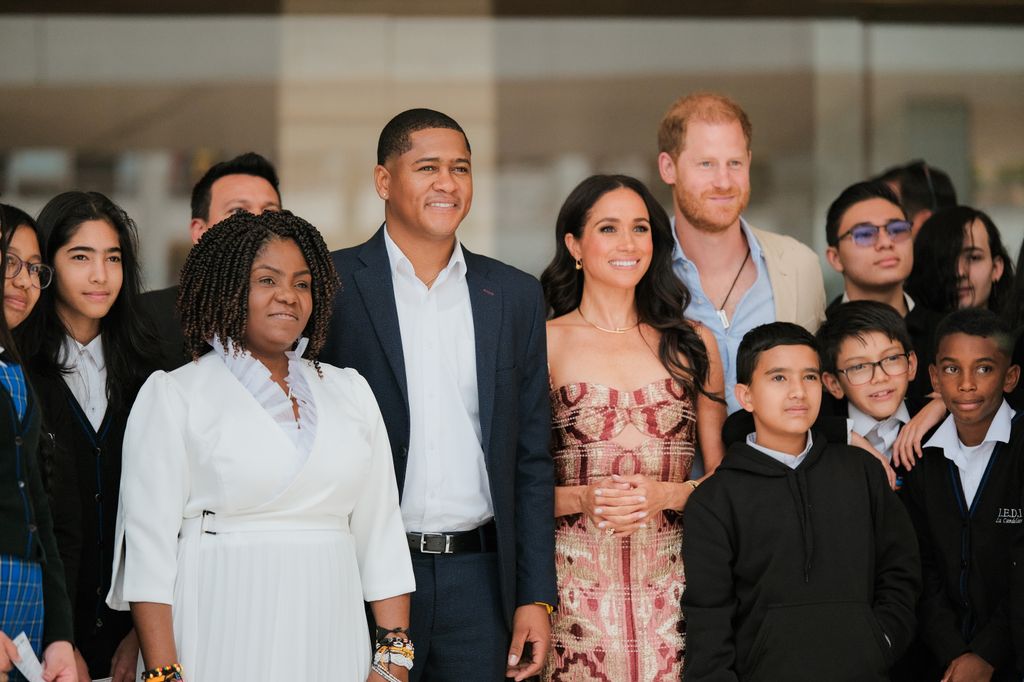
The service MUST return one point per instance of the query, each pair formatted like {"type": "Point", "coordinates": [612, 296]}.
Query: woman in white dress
{"type": "Point", "coordinates": [258, 503]}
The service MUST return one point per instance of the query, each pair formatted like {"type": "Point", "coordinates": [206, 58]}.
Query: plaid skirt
{"type": "Point", "coordinates": [21, 602]}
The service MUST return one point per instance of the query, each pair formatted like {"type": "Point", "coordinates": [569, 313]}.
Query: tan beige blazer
{"type": "Point", "coordinates": [795, 274]}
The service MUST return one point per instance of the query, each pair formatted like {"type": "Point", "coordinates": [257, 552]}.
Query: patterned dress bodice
{"type": "Point", "coordinates": [619, 617]}
{"type": "Point", "coordinates": [587, 417]}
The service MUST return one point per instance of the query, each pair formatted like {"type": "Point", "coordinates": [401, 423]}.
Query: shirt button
{"type": "Point", "coordinates": [21, 484]}
{"type": "Point", "coordinates": [99, 622]}
{"type": "Point", "coordinates": [98, 451]}
{"type": "Point", "coordinates": [18, 440]}
{"type": "Point", "coordinates": [98, 497]}
{"type": "Point", "coordinates": [31, 528]}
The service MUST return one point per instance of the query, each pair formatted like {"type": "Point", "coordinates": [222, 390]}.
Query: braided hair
{"type": "Point", "coordinates": [213, 296]}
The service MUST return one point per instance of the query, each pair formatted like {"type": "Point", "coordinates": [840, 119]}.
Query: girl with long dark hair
{"type": "Point", "coordinates": [960, 262]}
{"type": "Point", "coordinates": [93, 353]}
{"type": "Point", "coordinates": [32, 595]}
{"type": "Point", "coordinates": [635, 388]}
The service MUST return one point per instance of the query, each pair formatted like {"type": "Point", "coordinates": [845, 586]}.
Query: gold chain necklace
{"type": "Point", "coordinates": [617, 330]}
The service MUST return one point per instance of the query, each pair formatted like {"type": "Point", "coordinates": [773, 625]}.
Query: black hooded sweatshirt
{"type": "Point", "coordinates": [805, 574]}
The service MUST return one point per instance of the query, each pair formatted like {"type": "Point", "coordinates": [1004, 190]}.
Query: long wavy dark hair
{"type": "Point", "coordinates": [661, 297]}
{"type": "Point", "coordinates": [937, 247]}
{"type": "Point", "coordinates": [129, 343]}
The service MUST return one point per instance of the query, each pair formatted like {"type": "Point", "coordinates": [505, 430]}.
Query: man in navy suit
{"type": "Point", "coordinates": [453, 346]}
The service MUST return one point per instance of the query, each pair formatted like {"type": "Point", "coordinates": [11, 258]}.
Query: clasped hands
{"type": "Point", "coordinates": [621, 505]}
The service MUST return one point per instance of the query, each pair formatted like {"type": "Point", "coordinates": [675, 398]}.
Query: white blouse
{"type": "Point", "coordinates": [256, 379]}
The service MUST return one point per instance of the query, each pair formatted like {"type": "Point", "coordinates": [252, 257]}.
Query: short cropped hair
{"type": "Point", "coordinates": [976, 322]}
{"type": "Point", "coordinates": [925, 187]}
{"type": "Point", "coordinates": [854, 319]}
{"type": "Point", "coordinates": [708, 107]}
{"type": "Point", "coordinates": [765, 337]}
{"type": "Point", "coordinates": [395, 138]}
{"type": "Point", "coordinates": [854, 194]}
{"type": "Point", "coordinates": [249, 163]}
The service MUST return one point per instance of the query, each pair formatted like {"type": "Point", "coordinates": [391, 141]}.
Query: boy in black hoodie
{"type": "Point", "coordinates": [964, 497]}
{"type": "Point", "coordinates": [801, 563]}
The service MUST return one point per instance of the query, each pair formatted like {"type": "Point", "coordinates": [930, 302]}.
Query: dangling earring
{"type": "Point", "coordinates": [579, 263]}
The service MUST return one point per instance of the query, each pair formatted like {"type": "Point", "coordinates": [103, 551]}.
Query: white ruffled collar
{"type": "Point", "coordinates": [255, 377]}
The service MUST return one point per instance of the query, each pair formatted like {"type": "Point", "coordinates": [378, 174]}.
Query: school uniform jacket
{"type": "Point", "coordinates": [26, 525]}
{"type": "Point", "coordinates": [85, 482]}
{"type": "Point", "coordinates": [966, 552]}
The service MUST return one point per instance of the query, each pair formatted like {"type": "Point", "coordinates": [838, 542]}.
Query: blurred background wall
{"type": "Point", "coordinates": [138, 103]}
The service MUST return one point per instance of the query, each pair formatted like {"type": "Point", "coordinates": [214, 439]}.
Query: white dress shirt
{"type": "Point", "coordinates": [970, 460]}
{"type": "Point", "coordinates": [783, 457]}
{"type": "Point", "coordinates": [880, 434]}
{"type": "Point", "coordinates": [446, 484]}
{"type": "Point", "coordinates": [88, 376]}
{"type": "Point", "coordinates": [906, 299]}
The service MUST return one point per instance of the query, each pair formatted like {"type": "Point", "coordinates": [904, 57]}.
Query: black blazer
{"type": "Point", "coordinates": [512, 380]}
{"type": "Point", "coordinates": [160, 306]}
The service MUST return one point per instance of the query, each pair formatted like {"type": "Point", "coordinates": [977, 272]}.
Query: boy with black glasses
{"type": "Point", "coordinates": [868, 362]}
{"type": "Point", "coordinates": [870, 244]}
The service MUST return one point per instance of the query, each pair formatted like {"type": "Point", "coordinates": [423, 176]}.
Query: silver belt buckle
{"type": "Point", "coordinates": [447, 543]}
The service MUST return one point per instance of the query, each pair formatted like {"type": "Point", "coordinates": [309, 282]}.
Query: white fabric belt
{"type": "Point", "coordinates": [212, 523]}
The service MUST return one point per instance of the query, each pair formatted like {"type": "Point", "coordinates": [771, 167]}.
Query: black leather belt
{"type": "Point", "coordinates": [482, 539]}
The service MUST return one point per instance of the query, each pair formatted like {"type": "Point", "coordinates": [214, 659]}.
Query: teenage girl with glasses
{"type": "Point", "coordinates": [32, 595]}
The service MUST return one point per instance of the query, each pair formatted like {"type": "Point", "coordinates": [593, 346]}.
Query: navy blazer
{"type": "Point", "coordinates": [512, 380]}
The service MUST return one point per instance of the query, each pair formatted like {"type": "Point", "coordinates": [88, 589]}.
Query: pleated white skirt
{"type": "Point", "coordinates": [280, 605]}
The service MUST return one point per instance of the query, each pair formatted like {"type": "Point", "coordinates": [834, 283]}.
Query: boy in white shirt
{"type": "Point", "coordinates": [964, 497]}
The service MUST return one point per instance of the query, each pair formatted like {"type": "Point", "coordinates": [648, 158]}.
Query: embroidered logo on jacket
{"type": "Point", "coordinates": [1009, 516]}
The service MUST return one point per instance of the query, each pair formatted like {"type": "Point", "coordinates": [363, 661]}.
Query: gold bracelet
{"type": "Point", "coordinates": [692, 483]}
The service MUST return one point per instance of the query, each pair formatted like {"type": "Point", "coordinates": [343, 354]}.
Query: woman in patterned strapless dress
{"type": "Point", "coordinates": [635, 388]}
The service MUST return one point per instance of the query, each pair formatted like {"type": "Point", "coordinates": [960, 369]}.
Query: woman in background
{"type": "Point", "coordinates": [93, 353]}
{"type": "Point", "coordinates": [32, 595]}
{"type": "Point", "coordinates": [635, 388]}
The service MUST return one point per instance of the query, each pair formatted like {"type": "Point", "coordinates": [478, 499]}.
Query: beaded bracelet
{"type": "Point", "coordinates": [384, 673]}
{"type": "Point", "coordinates": [164, 674]}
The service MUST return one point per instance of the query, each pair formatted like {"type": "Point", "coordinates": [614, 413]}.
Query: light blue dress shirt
{"type": "Point", "coordinates": [755, 307]}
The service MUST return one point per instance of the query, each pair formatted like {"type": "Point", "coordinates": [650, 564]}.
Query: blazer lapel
{"type": "Point", "coordinates": [780, 278]}
{"type": "Point", "coordinates": [485, 299]}
{"type": "Point", "coordinates": [378, 294]}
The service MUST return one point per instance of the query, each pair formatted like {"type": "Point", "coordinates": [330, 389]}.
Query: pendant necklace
{"type": "Point", "coordinates": [721, 309]}
{"type": "Point", "coordinates": [617, 330]}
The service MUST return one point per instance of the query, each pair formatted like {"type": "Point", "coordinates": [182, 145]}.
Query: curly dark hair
{"type": "Point", "coordinates": [213, 296]}
{"type": "Point", "coordinates": [661, 297]}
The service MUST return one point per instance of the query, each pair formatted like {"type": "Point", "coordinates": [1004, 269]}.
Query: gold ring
{"type": "Point", "coordinates": [609, 532]}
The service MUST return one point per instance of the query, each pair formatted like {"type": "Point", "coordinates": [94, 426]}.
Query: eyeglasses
{"type": "Point", "coordinates": [866, 234]}
{"type": "Point", "coordinates": [40, 275]}
{"type": "Point", "coordinates": [891, 366]}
